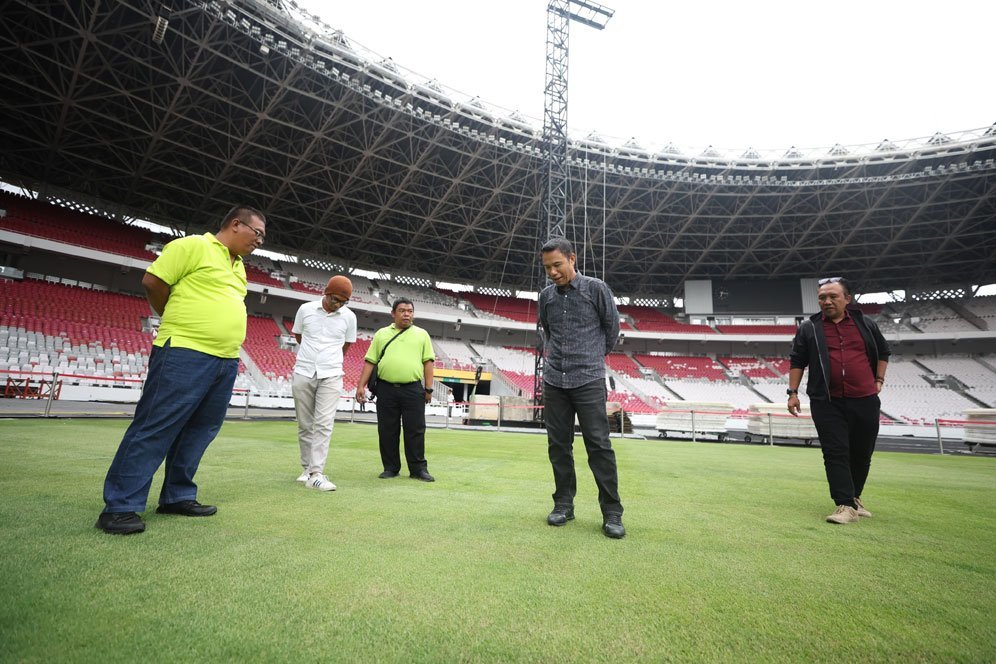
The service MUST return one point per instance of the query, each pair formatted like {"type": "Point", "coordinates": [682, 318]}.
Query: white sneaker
{"type": "Point", "coordinates": [320, 482]}
{"type": "Point", "coordinates": [303, 477]}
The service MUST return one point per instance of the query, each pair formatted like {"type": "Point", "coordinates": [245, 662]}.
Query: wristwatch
{"type": "Point", "coordinates": [791, 392]}
{"type": "Point", "coordinates": [428, 390]}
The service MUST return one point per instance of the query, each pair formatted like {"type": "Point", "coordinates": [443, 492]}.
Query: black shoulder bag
{"type": "Point", "coordinates": [372, 384]}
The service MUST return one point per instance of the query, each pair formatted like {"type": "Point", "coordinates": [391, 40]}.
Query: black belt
{"type": "Point", "coordinates": [414, 382]}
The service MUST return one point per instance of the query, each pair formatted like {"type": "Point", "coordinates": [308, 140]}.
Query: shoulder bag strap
{"type": "Point", "coordinates": [390, 342]}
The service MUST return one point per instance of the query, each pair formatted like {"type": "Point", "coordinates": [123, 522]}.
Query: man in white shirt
{"type": "Point", "coordinates": [325, 330]}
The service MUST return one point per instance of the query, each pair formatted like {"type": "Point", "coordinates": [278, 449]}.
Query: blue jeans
{"type": "Point", "coordinates": [588, 403]}
{"type": "Point", "coordinates": [181, 410]}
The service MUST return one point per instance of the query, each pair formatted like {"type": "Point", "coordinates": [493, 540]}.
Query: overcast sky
{"type": "Point", "coordinates": [766, 74]}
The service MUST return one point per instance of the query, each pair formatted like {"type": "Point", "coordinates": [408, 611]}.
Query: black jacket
{"type": "Point", "coordinates": [809, 349]}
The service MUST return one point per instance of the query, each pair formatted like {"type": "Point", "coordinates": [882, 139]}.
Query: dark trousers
{"type": "Point", "coordinates": [397, 405]}
{"type": "Point", "coordinates": [181, 410]}
{"type": "Point", "coordinates": [847, 429]}
{"type": "Point", "coordinates": [588, 403]}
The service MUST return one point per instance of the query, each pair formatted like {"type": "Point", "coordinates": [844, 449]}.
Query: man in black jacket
{"type": "Point", "coordinates": [847, 357]}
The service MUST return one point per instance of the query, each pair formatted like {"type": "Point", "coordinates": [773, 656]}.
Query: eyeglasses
{"type": "Point", "coordinates": [829, 280]}
{"type": "Point", "coordinates": [337, 300]}
{"type": "Point", "coordinates": [260, 235]}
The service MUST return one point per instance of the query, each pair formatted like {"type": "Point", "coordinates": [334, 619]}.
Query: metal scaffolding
{"type": "Point", "coordinates": [559, 14]}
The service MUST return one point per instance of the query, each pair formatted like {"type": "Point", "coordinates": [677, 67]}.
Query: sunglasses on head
{"type": "Point", "coordinates": [829, 280]}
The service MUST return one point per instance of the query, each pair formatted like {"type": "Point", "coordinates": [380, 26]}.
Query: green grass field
{"type": "Point", "coordinates": [727, 556]}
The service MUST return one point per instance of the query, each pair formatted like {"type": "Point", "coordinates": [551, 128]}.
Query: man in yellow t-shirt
{"type": "Point", "coordinates": [198, 286]}
{"type": "Point", "coordinates": [404, 373]}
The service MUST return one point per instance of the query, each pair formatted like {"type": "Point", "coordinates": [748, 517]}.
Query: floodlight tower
{"type": "Point", "coordinates": [559, 14]}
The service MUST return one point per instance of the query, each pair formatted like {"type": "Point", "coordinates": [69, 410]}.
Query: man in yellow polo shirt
{"type": "Point", "coordinates": [404, 373]}
{"type": "Point", "coordinates": [198, 286]}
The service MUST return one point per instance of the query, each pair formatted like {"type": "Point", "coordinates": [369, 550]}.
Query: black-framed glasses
{"type": "Point", "coordinates": [259, 234]}
{"type": "Point", "coordinates": [829, 280]}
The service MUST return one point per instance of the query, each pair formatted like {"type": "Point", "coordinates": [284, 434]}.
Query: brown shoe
{"type": "Point", "coordinates": [861, 508]}
{"type": "Point", "coordinates": [843, 514]}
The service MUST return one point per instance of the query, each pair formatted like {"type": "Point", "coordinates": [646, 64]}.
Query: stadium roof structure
{"type": "Point", "coordinates": [175, 113]}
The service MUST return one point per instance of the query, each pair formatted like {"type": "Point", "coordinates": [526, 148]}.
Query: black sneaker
{"type": "Point", "coordinates": [187, 508]}
{"type": "Point", "coordinates": [120, 523]}
{"type": "Point", "coordinates": [612, 526]}
{"type": "Point", "coordinates": [560, 515]}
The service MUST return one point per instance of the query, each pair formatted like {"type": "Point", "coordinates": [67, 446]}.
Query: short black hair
{"type": "Point", "coordinates": [400, 301]}
{"type": "Point", "coordinates": [560, 244]}
{"type": "Point", "coordinates": [243, 213]}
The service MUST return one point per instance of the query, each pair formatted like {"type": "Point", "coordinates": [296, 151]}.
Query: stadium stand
{"type": "Point", "coordinates": [985, 391]}
{"type": "Point", "coordinates": [80, 315]}
{"type": "Point", "coordinates": [629, 402]}
{"type": "Point", "coordinates": [38, 219]}
{"type": "Point", "coordinates": [259, 276]}
{"type": "Point", "coordinates": [741, 397]}
{"type": "Point", "coordinates": [683, 366]}
{"type": "Point", "coordinates": [902, 371]}
{"type": "Point", "coordinates": [453, 355]}
{"type": "Point", "coordinates": [921, 404]}
{"type": "Point", "coordinates": [984, 308]}
{"type": "Point", "coordinates": [512, 308]}
{"type": "Point", "coordinates": [424, 299]}
{"type": "Point", "coordinates": [509, 359]}
{"type": "Point", "coordinates": [306, 287]}
{"type": "Point", "coordinates": [968, 371]}
{"type": "Point", "coordinates": [46, 326]}
{"type": "Point", "coordinates": [622, 364]}
{"type": "Point", "coordinates": [891, 322]}
{"type": "Point", "coordinates": [775, 391]}
{"type": "Point", "coordinates": [756, 329]}
{"type": "Point", "coordinates": [36, 352]}
{"type": "Point", "coordinates": [937, 316]}
{"type": "Point", "coordinates": [650, 389]}
{"type": "Point", "coordinates": [264, 263]}
{"type": "Point", "coordinates": [273, 363]}
{"type": "Point", "coordinates": [647, 319]}
{"type": "Point", "coordinates": [751, 367]}
{"type": "Point", "coordinates": [781, 365]}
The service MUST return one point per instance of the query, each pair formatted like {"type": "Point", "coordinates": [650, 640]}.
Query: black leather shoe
{"type": "Point", "coordinates": [387, 474]}
{"type": "Point", "coordinates": [560, 515]}
{"type": "Point", "coordinates": [612, 526]}
{"type": "Point", "coordinates": [187, 508]}
{"type": "Point", "coordinates": [424, 476]}
{"type": "Point", "coordinates": [120, 523]}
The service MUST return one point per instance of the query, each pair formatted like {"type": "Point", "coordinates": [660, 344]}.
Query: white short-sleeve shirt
{"type": "Point", "coordinates": [322, 336]}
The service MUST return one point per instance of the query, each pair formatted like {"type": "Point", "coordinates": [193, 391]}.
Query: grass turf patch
{"type": "Point", "coordinates": [726, 558]}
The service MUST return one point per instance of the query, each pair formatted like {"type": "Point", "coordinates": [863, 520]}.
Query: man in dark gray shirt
{"type": "Point", "coordinates": [580, 326]}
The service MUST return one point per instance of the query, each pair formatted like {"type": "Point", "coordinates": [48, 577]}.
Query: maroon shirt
{"type": "Point", "coordinates": [850, 373]}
